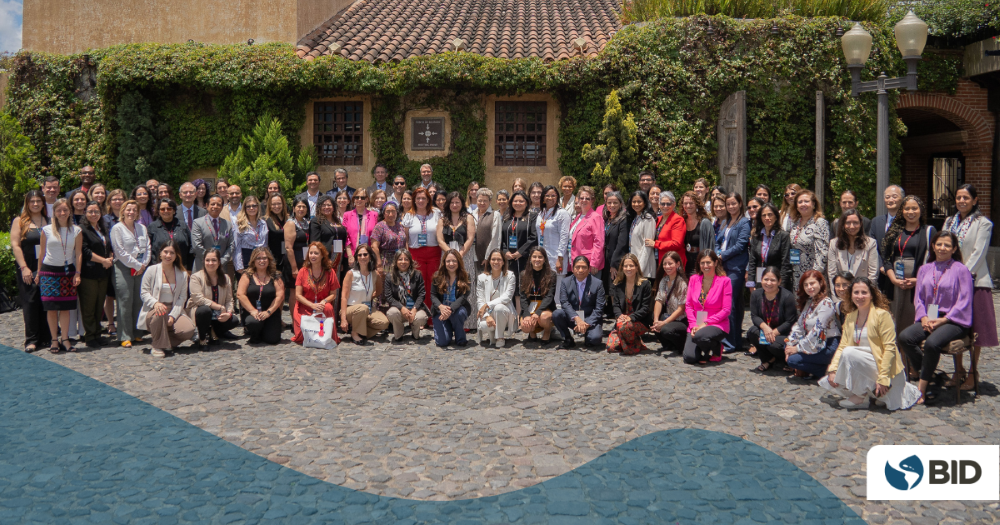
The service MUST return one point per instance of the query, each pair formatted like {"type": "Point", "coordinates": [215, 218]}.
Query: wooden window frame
{"type": "Point", "coordinates": [519, 133]}
{"type": "Point", "coordinates": [338, 132]}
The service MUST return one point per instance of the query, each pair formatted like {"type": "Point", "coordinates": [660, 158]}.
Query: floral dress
{"type": "Point", "coordinates": [390, 239]}
{"type": "Point", "coordinates": [810, 243]}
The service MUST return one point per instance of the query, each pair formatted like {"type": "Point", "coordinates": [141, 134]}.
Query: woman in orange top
{"type": "Point", "coordinates": [316, 287]}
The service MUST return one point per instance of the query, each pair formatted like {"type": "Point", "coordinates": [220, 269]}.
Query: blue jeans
{"type": "Point", "coordinates": [815, 364]}
{"type": "Point", "coordinates": [734, 341]}
{"type": "Point", "coordinates": [451, 329]}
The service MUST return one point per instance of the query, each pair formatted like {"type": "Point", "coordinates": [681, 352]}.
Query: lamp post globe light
{"type": "Point", "coordinates": [911, 37]}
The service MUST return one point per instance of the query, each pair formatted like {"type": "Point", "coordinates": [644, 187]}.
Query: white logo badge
{"type": "Point", "coordinates": [934, 472]}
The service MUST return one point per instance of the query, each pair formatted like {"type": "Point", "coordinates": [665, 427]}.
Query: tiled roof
{"type": "Point", "coordinates": [389, 30]}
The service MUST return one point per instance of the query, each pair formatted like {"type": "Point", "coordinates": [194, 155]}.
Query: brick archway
{"type": "Point", "coordinates": [966, 110]}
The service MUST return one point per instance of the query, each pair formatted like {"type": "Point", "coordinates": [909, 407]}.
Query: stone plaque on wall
{"type": "Point", "coordinates": [732, 135]}
{"type": "Point", "coordinates": [427, 133]}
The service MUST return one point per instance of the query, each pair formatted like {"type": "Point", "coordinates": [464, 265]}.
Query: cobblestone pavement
{"type": "Point", "coordinates": [411, 420]}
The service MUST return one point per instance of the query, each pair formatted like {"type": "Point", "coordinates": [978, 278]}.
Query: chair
{"type": "Point", "coordinates": [957, 347]}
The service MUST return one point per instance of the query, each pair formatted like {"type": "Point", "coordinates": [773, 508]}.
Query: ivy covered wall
{"type": "Point", "coordinates": [672, 74]}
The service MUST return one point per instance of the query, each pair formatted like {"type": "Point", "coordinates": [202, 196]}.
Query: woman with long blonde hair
{"type": "Point", "coordinates": [251, 232]}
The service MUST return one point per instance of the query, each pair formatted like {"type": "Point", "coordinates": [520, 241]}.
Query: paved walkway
{"type": "Point", "coordinates": [415, 421]}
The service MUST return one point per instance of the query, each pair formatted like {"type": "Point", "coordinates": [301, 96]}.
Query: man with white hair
{"type": "Point", "coordinates": [426, 172]}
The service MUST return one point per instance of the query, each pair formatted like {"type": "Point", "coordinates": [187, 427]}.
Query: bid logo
{"type": "Point", "coordinates": [934, 472]}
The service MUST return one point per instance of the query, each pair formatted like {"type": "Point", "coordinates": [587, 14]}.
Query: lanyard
{"type": "Point", "coordinates": [513, 224]}
{"type": "Point", "coordinates": [215, 229]}
{"type": "Point", "coordinates": [904, 243]}
{"type": "Point", "coordinates": [575, 224]}
{"type": "Point", "coordinates": [260, 287]}
{"type": "Point", "coordinates": [496, 287]}
{"type": "Point", "coordinates": [937, 280]}
{"type": "Point", "coordinates": [256, 233]}
{"type": "Point", "coordinates": [367, 284]}
{"type": "Point", "coordinates": [62, 242]}
{"type": "Point", "coordinates": [172, 288]}
{"type": "Point", "coordinates": [634, 222]}
{"type": "Point", "coordinates": [798, 231]}
{"type": "Point", "coordinates": [765, 246]}
{"type": "Point", "coordinates": [858, 330]}
{"type": "Point", "coordinates": [316, 282]}
{"type": "Point", "coordinates": [303, 227]}
{"type": "Point", "coordinates": [770, 313]}
{"type": "Point", "coordinates": [134, 230]}
{"type": "Point", "coordinates": [542, 219]}
{"type": "Point", "coordinates": [423, 223]}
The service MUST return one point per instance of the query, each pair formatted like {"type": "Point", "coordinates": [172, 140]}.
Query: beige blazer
{"type": "Point", "coordinates": [866, 261]}
{"type": "Point", "coordinates": [201, 292]}
{"type": "Point", "coordinates": [152, 285]}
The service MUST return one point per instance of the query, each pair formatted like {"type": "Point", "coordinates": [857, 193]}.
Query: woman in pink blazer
{"type": "Point", "coordinates": [709, 301]}
{"type": "Point", "coordinates": [359, 226]}
{"type": "Point", "coordinates": [586, 232]}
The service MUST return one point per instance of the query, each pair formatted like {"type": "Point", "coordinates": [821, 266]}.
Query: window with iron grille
{"type": "Point", "coordinates": [519, 134]}
{"type": "Point", "coordinates": [337, 133]}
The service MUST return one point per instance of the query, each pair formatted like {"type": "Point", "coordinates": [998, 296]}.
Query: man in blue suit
{"type": "Point", "coordinates": [581, 304]}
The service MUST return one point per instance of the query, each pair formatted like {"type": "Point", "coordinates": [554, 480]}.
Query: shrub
{"type": "Point", "coordinates": [616, 160]}
{"type": "Point", "coordinates": [265, 156]}
{"type": "Point", "coordinates": [644, 10]}
{"type": "Point", "coordinates": [17, 165]}
{"type": "Point", "coordinates": [8, 270]}
{"type": "Point", "coordinates": [142, 153]}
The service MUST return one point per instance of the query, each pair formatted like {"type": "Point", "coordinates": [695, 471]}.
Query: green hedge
{"type": "Point", "coordinates": [8, 266]}
{"type": "Point", "coordinates": [672, 74]}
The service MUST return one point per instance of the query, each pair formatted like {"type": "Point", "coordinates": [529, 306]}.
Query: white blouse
{"type": "Point", "coordinates": [422, 228]}
{"type": "Point", "coordinates": [362, 288]}
{"type": "Point", "coordinates": [61, 251]}
{"type": "Point", "coordinates": [552, 230]}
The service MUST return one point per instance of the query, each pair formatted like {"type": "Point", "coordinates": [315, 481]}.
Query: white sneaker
{"type": "Point", "coordinates": [501, 342]}
{"type": "Point", "coordinates": [846, 403]}
{"type": "Point", "coordinates": [479, 337]}
{"type": "Point", "coordinates": [157, 353]}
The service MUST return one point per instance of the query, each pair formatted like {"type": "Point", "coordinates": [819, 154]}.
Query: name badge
{"type": "Point", "coordinates": [700, 318]}
{"type": "Point", "coordinates": [305, 253]}
{"type": "Point", "coordinates": [795, 255]}
{"type": "Point", "coordinates": [338, 246]}
{"type": "Point", "coordinates": [362, 239]}
{"type": "Point", "coordinates": [217, 247]}
{"type": "Point", "coordinates": [760, 274]}
{"type": "Point", "coordinates": [38, 251]}
{"type": "Point", "coordinates": [932, 311]}
{"type": "Point", "coordinates": [283, 249]}
{"type": "Point", "coordinates": [513, 241]}
{"type": "Point", "coordinates": [541, 240]}
{"type": "Point", "coordinates": [763, 338]}
{"type": "Point", "coordinates": [534, 307]}
{"type": "Point", "coordinates": [369, 305]}
{"type": "Point", "coordinates": [259, 305]}
{"type": "Point", "coordinates": [409, 302]}
{"type": "Point", "coordinates": [900, 269]}
{"type": "Point", "coordinates": [215, 314]}
{"type": "Point", "coordinates": [141, 257]}
{"type": "Point", "coordinates": [422, 239]}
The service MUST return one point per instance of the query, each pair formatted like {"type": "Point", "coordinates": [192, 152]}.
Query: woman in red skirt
{"type": "Point", "coordinates": [421, 228]}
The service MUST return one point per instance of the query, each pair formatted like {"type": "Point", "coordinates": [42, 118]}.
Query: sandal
{"type": "Point", "coordinates": [126, 344]}
{"type": "Point", "coordinates": [764, 367]}
{"type": "Point", "coordinates": [113, 334]}
{"type": "Point", "coordinates": [69, 345]}
{"type": "Point", "coordinates": [56, 347]}
{"type": "Point", "coordinates": [956, 379]}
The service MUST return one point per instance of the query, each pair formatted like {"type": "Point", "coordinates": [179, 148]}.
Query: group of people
{"type": "Point", "coordinates": [826, 300]}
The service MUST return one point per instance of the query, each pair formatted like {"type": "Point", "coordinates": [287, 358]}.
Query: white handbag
{"type": "Point", "coordinates": [317, 332]}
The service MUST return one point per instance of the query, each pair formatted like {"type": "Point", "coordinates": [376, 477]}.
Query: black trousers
{"type": "Point", "coordinates": [704, 344]}
{"type": "Point", "coordinates": [266, 331]}
{"type": "Point", "coordinates": [672, 335]}
{"type": "Point", "coordinates": [767, 351]}
{"type": "Point", "coordinates": [205, 324]}
{"type": "Point", "coordinates": [909, 342]}
{"type": "Point", "coordinates": [36, 323]}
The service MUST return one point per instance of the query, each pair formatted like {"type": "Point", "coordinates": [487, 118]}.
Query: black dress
{"type": "Point", "coordinates": [521, 231]}
{"type": "Point", "coordinates": [276, 244]}
{"type": "Point", "coordinates": [261, 298]}
{"type": "Point", "coordinates": [36, 324]}
{"type": "Point", "coordinates": [616, 245]}
{"type": "Point", "coordinates": [692, 238]}
{"type": "Point", "coordinates": [298, 246]}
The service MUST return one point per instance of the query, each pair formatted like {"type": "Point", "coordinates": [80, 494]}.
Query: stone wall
{"type": "Point", "coordinates": [74, 26]}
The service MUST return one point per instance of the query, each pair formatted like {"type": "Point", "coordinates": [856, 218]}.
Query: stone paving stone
{"type": "Point", "coordinates": [347, 415]}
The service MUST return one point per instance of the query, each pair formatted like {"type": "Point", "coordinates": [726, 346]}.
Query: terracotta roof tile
{"type": "Point", "coordinates": [383, 30]}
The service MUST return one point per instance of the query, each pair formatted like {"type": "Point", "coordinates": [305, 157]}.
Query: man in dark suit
{"type": "Point", "coordinates": [581, 304]}
{"type": "Point", "coordinates": [880, 225]}
{"type": "Point", "coordinates": [188, 211]}
{"type": "Point", "coordinates": [340, 185]}
{"type": "Point", "coordinates": [212, 231]}
{"type": "Point", "coordinates": [381, 174]}
{"type": "Point", "coordinates": [849, 201]}
{"type": "Point", "coordinates": [312, 193]}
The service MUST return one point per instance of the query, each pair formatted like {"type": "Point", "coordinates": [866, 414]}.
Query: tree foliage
{"type": "Point", "coordinates": [142, 150]}
{"type": "Point", "coordinates": [265, 156]}
{"type": "Point", "coordinates": [17, 165]}
{"type": "Point", "coordinates": [645, 10]}
{"type": "Point", "coordinates": [953, 23]}
{"type": "Point", "coordinates": [616, 155]}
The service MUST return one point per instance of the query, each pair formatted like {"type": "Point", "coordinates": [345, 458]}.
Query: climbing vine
{"type": "Point", "coordinates": [672, 74]}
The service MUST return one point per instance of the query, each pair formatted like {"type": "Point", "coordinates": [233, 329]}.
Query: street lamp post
{"type": "Point", "coordinates": [911, 36]}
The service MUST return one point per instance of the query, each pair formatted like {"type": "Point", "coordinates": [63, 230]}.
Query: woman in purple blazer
{"type": "Point", "coordinates": [709, 301]}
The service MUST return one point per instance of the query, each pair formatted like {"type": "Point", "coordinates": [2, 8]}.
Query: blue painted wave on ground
{"type": "Point", "coordinates": [74, 450]}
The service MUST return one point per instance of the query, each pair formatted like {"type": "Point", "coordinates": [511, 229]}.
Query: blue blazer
{"type": "Point", "coordinates": [735, 257]}
{"type": "Point", "coordinates": [592, 306]}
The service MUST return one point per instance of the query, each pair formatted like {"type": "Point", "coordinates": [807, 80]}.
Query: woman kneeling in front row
{"type": "Point", "coordinates": [538, 292]}
{"type": "Point", "coordinates": [709, 300]}
{"type": "Point", "coordinates": [671, 325]}
{"type": "Point", "coordinates": [450, 300]}
{"type": "Point", "coordinates": [866, 363]}
{"type": "Point", "coordinates": [164, 287]}
{"type": "Point", "coordinates": [404, 293]}
{"type": "Point", "coordinates": [630, 294]}
{"type": "Point", "coordinates": [361, 283]}
{"type": "Point", "coordinates": [211, 301]}
{"type": "Point", "coordinates": [816, 333]}
{"type": "Point", "coordinates": [261, 293]}
{"type": "Point", "coordinates": [772, 311]}
{"type": "Point", "coordinates": [943, 302]}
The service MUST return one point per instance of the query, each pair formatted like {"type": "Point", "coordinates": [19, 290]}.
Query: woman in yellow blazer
{"type": "Point", "coordinates": [867, 363]}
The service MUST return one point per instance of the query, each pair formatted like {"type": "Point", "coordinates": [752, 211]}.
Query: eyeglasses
{"type": "Point", "coordinates": [362, 255]}
{"type": "Point", "coordinates": [584, 198]}
{"type": "Point", "coordinates": [261, 259]}
{"type": "Point", "coordinates": [399, 184]}
{"type": "Point", "coordinates": [359, 197]}
{"type": "Point", "coordinates": [790, 194]}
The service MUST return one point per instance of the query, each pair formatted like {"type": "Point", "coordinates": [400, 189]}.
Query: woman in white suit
{"type": "Point", "coordinates": [852, 250]}
{"type": "Point", "coordinates": [495, 289]}
{"type": "Point", "coordinates": [642, 234]}
{"type": "Point", "coordinates": [164, 293]}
